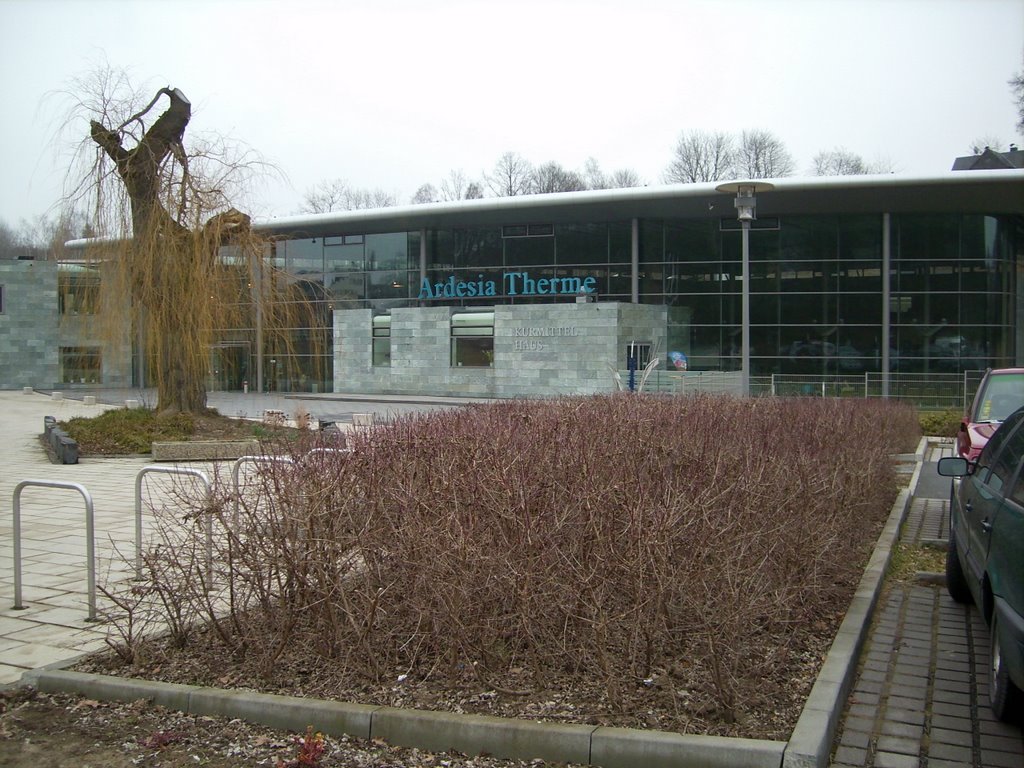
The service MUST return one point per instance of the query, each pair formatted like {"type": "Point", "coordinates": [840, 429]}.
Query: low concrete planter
{"type": "Point", "coordinates": [204, 450]}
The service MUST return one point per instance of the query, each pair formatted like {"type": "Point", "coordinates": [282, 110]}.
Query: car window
{"type": "Point", "coordinates": [1004, 466]}
{"type": "Point", "coordinates": [1002, 454]}
{"type": "Point", "coordinates": [1017, 494]}
{"type": "Point", "coordinates": [1003, 394]}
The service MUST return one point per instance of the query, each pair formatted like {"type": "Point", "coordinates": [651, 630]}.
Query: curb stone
{"type": "Point", "coordinates": [809, 745]}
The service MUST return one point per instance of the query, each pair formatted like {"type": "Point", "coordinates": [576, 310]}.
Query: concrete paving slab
{"type": "Point", "coordinates": [10, 675]}
{"type": "Point", "coordinates": [35, 655]}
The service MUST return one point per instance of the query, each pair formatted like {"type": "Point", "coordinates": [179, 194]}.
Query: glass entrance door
{"type": "Point", "coordinates": [229, 367]}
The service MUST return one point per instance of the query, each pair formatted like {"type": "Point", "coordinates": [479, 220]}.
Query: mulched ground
{"type": "Point", "coordinates": [62, 731]}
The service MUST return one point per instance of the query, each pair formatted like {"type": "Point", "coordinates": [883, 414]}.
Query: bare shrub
{"type": "Point", "coordinates": [617, 537]}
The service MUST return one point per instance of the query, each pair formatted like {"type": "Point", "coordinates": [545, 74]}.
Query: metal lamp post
{"type": "Point", "coordinates": [745, 203]}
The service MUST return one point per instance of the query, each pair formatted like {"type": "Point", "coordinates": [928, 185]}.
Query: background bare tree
{"type": "Point", "coordinates": [1017, 88]}
{"type": "Point", "coordinates": [552, 177]}
{"type": "Point", "coordinates": [839, 162]}
{"type": "Point", "coordinates": [427, 193]}
{"type": "Point", "coordinates": [595, 178]}
{"type": "Point", "coordinates": [11, 246]}
{"type": "Point", "coordinates": [624, 177]}
{"type": "Point", "coordinates": [337, 195]}
{"type": "Point", "coordinates": [457, 186]}
{"type": "Point", "coordinates": [512, 176]}
{"type": "Point", "coordinates": [982, 143]}
{"type": "Point", "coordinates": [762, 155]}
{"type": "Point", "coordinates": [701, 156]}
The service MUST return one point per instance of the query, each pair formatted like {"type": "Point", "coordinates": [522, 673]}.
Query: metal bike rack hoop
{"type": "Point", "coordinates": [90, 544]}
{"type": "Point", "coordinates": [181, 471]}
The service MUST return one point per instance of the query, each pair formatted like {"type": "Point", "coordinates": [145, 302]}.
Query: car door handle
{"type": "Point", "coordinates": [968, 507]}
{"type": "Point", "coordinates": [986, 526]}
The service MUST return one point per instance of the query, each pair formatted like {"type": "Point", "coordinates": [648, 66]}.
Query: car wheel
{"type": "Point", "coordinates": [1003, 695]}
{"type": "Point", "coordinates": [956, 582]}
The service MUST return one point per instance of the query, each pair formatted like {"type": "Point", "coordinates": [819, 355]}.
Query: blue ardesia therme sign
{"type": "Point", "coordinates": [513, 284]}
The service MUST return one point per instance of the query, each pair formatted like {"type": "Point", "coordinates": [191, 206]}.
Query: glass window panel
{"type": "Point", "coordinates": [81, 365]}
{"type": "Point", "coordinates": [860, 238]}
{"type": "Point", "coordinates": [388, 285]}
{"type": "Point", "coordinates": [581, 244]}
{"type": "Point", "coordinates": [927, 237]}
{"type": "Point", "coordinates": [476, 248]}
{"type": "Point", "coordinates": [860, 308]}
{"type": "Point", "coordinates": [764, 308]}
{"type": "Point", "coordinates": [304, 257]}
{"type": "Point", "coordinates": [347, 287]}
{"type": "Point", "coordinates": [473, 352]}
{"type": "Point", "coordinates": [620, 242]}
{"type": "Point", "coordinates": [700, 277]}
{"type": "Point", "coordinates": [652, 279]}
{"type": "Point", "coordinates": [808, 308]}
{"type": "Point", "coordinates": [652, 241]}
{"type": "Point", "coordinates": [702, 309]}
{"type": "Point", "coordinates": [526, 251]}
{"type": "Point", "coordinates": [344, 258]}
{"type": "Point", "coordinates": [804, 238]}
{"type": "Point", "coordinates": [388, 252]}
{"type": "Point", "coordinates": [382, 351]}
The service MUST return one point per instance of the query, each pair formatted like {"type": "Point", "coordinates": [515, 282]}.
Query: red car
{"type": "Point", "coordinates": [1001, 393]}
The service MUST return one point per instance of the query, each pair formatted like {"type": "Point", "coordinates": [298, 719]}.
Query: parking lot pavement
{"type": "Point", "coordinates": [920, 699]}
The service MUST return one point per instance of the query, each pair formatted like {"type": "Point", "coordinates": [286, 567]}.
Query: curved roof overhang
{"type": "Point", "coordinates": [988, 192]}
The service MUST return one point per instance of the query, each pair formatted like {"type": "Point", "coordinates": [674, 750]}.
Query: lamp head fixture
{"type": "Point", "coordinates": [746, 201]}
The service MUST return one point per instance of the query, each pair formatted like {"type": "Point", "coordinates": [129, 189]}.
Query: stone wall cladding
{"type": "Point", "coordinates": [540, 350]}
{"type": "Point", "coordinates": [29, 343]}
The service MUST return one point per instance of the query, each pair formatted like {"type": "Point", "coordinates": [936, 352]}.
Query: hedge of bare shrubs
{"type": "Point", "coordinates": [603, 537]}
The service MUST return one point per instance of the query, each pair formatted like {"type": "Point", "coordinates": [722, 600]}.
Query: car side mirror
{"type": "Point", "coordinates": [954, 466]}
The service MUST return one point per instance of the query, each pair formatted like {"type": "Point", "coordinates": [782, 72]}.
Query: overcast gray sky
{"type": "Point", "coordinates": [396, 93]}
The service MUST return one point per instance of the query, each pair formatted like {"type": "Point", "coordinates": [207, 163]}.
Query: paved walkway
{"type": "Point", "coordinates": [52, 625]}
{"type": "Point", "coordinates": [920, 699]}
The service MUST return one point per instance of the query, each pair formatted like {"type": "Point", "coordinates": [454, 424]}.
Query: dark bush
{"type": "Point", "coordinates": [940, 423]}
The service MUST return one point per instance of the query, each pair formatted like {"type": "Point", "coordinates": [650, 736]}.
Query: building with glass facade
{"type": "Point", "coordinates": [848, 276]}
{"type": "Point", "coordinates": [870, 276]}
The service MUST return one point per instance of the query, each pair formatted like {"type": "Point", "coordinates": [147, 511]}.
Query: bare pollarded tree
{"type": "Point", "coordinates": [165, 207]}
{"type": "Point", "coordinates": [701, 156]}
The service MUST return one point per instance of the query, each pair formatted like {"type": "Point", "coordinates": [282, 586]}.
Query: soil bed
{"type": "Point", "coordinates": [673, 699]}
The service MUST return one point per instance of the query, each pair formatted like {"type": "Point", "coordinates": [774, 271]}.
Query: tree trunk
{"type": "Point", "coordinates": [167, 261]}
